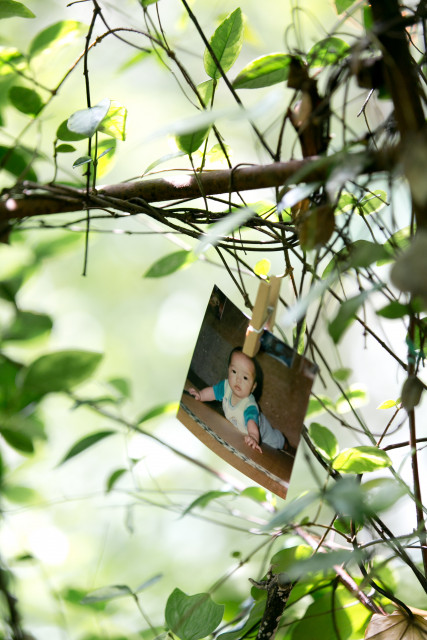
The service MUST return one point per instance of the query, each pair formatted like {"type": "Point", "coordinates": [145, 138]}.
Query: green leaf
{"type": "Point", "coordinates": [189, 142]}
{"type": "Point", "coordinates": [170, 263]}
{"type": "Point", "coordinates": [20, 494]}
{"type": "Point", "coordinates": [262, 267]}
{"type": "Point", "coordinates": [65, 148]}
{"type": "Point", "coordinates": [25, 100]}
{"type": "Point", "coordinates": [218, 230]}
{"type": "Point", "coordinates": [246, 631]}
{"type": "Point", "coordinates": [84, 443]}
{"type": "Point", "coordinates": [319, 562]}
{"type": "Point", "coordinates": [160, 410]}
{"type": "Point", "coordinates": [203, 500]}
{"type": "Point", "coordinates": [145, 3]}
{"type": "Point", "coordinates": [328, 51]}
{"type": "Point", "coordinates": [12, 9]}
{"type": "Point", "coordinates": [254, 493]}
{"type": "Point", "coordinates": [114, 123]}
{"type": "Point", "coordinates": [60, 34]}
{"type": "Point", "coordinates": [353, 398]}
{"type": "Point", "coordinates": [372, 202]}
{"type": "Point", "coordinates": [205, 90]}
{"type": "Point", "coordinates": [324, 440]}
{"type": "Point", "coordinates": [361, 460]}
{"type": "Point", "coordinates": [285, 558]}
{"type": "Point", "coordinates": [264, 72]}
{"type": "Point", "coordinates": [293, 509]}
{"type": "Point", "coordinates": [226, 44]}
{"type": "Point", "coordinates": [106, 150]}
{"type": "Point", "coordinates": [107, 593]}
{"type": "Point", "coordinates": [87, 121]}
{"type": "Point", "coordinates": [17, 440]}
{"type": "Point", "coordinates": [113, 478]}
{"type": "Point", "coordinates": [81, 161]}
{"type": "Point", "coordinates": [60, 370]}
{"type": "Point", "coordinates": [343, 5]}
{"type": "Point", "coordinates": [346, 315]}
{"type": "Point", "coordinates": [122, 385]}
{"type": "Point", "coordinates": [388, 404]}
{"type": "Point", "coordinates": [63, 133]}
{"type": "Point", "coordinates": [382, 493]}
{"type": "Point", "coordinates": [359, 255]}
{"type": "Point", "coordinates": [319, 405]}
{"type": "Point", "coordinates": [28, 325]}
{"type": "Point", "coordinates": [165, 158]}
{"type": "Point", "coordinates": [17, 163]}
{"type": "Point", "coordinates": [394, 310]}
{"type": "Point", "coordinates": [322, 618]}
{"type": "Point", "coordinates": [342, 374]}
{"type": "Point", "coordinates": [192, 617]}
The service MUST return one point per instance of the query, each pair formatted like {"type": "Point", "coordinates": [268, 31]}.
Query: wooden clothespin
{"type": "Point", "coordinates": [263, 314]}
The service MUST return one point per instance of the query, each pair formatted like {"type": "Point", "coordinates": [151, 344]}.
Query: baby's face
{"type": "Point", "coordinates": [241, 375]}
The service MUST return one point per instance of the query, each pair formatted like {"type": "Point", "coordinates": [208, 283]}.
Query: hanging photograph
{"type": "Point", "coordinates": [248, 410]}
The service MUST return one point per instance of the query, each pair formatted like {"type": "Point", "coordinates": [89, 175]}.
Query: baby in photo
{"type": "Point", "coordinates": [239, 393]}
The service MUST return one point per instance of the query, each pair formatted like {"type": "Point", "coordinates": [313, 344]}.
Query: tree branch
{"type": "Point", "coordinates": [39, 200]}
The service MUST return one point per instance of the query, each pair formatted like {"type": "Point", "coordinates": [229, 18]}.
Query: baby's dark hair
{"type": "Point", "coordinates": [259, 375]}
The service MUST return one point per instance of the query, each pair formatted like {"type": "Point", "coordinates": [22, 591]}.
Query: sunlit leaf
{"type": "Point", "coordinates": [321, 619]}
{"type": "Point", "coordinates": [388, 404]}
{"type": "Point", "coordinates": [327, 51]}
{"type": "Point", "coordinates": [319, 562]}
{"type": "Point", "coordinates": [114, 122]}
{"type": "Point", "coordinates": [114, 478]}
{"type": "Point", "coordinates": [170, 263]}
{"type": "Point", "coordinates": [107, 593]}
{"type": "Point", "coordinates": [346, 315]}
{"type": "Point", "coordinates": [145, 3]}
{"type": "Point", "coordinates": [28, 325]}
{"type": "Point", "coordinates": [226, 44]}
{"type": "Point", "coordinates": [86, 121]}
{"type": "Point", "coordinates": [56, 35]}
{"type": "Point", "coordinates": [205, 90]}
{"type": "Point", "coordinates": [134, 60]}
{"type": "Point", "coordinates": [20, 494]}
{"type": "Point", "coordinates": [343, 5]}
{"type": "Point", "coordinates": [202, 501]}
{"type": "Point", "coordinates": [228, 224]}
{"type": "Point", "coordinates": [122, 385]}
{"type": "Point", "coordinates": [192, 617]}
{"type": "Point", "coordinates": [106, 155]}
{"type": "Point", "coordinates": [85, 443]}
{"type": "Point", "coordinates": [399, 240]}
{"type": "Point", "coordinates": [324, 440]}
{"type": "Point", "coordinates": [396, 626]}
{"type": "Point", "coordinates": [167, 408]}
{"type": "Point", "coordinates": [319, 405]}
{"type": "Point", "coordinates": [12, 9]}
{"type": "Point", "coordinates": [11, 60]}
{"type": "Point", "coordinates": [264, 72]}
{"type": "Point", "coordinates": [372, 202]}
{"type": "Point", "coordinates": [361, 460]}
{"type": "Point", "coordinates": [285, 558]}
{"type": "Point", "coordinates": [262, 267]}
{"type": "Point", "coordinates": [60, 370]}
{"type": "Point", "coordinates": [189, 142]}
{"type": "Point", "coordinates": [26, 100]}
{"type": "Point", "coordinates": [254, 493]}
{"type": "Point", "coordinates": [353, 398]}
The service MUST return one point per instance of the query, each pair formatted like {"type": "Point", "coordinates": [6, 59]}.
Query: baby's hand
{"type": "Point", "coordinates": [194, 393]}
{"type": "Point", "coordinates": [251, 442]}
